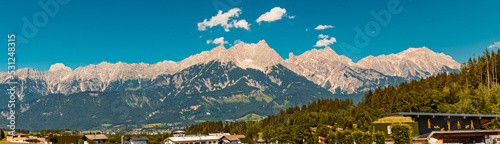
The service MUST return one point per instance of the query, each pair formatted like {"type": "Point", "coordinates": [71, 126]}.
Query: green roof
{"type": "Point", "coordinates": [394, 119]}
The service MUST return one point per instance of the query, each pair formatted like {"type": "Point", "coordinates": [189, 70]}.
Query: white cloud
{"type": "Point", "coordinates": [323, 36]}
{"type": "Point", "coordinates": [241, 24]}
{"type": "Point", "coordinates": [322, 27]}
{"type": "Point", "coordinates": [225, 20]}
{"type": "Point", "coordinates": [237, 42]}
{"type": "Point", "coordinates": [276, 13]}
{"type": "Point", "coordinates": [324, 41]}
{"type": "Point", "coordinates": [495, 45]}
{"type": "Point", "coordinates": [218, 41]}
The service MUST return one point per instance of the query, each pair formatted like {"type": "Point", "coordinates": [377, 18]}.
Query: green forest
{"type": "Point", "coordinates": [475, 90]}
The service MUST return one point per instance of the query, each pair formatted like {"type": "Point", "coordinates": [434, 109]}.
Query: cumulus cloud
{"type": "Point", "coordinates": [324, 41]}
{"type": "Point", "coordinates": [241, 24]}
{"type": "Point", "coordinates": [237, 42]}
{"type": "Point", "coordinates": [276, 13]}
{"type": "Point", "coordinates": [218, 41]}
{"type": "Point", "coordinates": [323, 36]}
{"type": "Point", "coordinates": [226, 20]}
{"type": "Point", "coordinates": [495, 45]}
{"type": "Point", "coordinates": [322, 27]}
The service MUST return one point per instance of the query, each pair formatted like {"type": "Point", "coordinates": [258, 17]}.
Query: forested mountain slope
{"type": "Point", "coordinates": [475, 90]}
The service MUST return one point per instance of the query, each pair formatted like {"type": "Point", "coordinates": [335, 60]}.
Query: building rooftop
{"type": "Point", "coordinates": [179, 132]}
{"type": "Point", "coordinates": [18, 134]}
{"type": "Point", "coordinates": [139, 138]}
{"type": "Point", "coordinates": [234, 137]}
{"type": "Point", "coordinates": [218, 134]}
{"type": "Point", "coordinates": [96, 136]}
{"type": "Point", "coordinates": [394, 119]}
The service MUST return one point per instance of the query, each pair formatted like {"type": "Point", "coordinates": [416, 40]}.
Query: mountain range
{"type": "Point", "coordinates": [220, 84]}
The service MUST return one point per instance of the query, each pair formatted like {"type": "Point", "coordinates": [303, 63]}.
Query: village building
{"type": "Point", "coordinates": [460, 136]}
{"type": "Point", "coordinates": [231, 139]}
{"type": "Point", "coordinates": [442, 127]}
{"type": "Point", "coordinates": [96, 138]}
{"type": "Point", "coordinates": [384, 124]}
{"type": "Point", "coordinates": [138, 140]}
{"type": "Point", "coordinates": [179, 133]}
{"type": "Point", "coordinates": [17, 137]}
{"type": "Point", "coordinates": [24, 138]}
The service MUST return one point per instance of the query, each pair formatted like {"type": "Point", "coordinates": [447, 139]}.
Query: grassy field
{"type": "Point", "coordinates": [154, 125]}
{"type": "Point", "coordinates": [251, 117]}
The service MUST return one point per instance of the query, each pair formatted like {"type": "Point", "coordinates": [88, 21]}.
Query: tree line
{"type": "Point", "coordinates": [474, 90]}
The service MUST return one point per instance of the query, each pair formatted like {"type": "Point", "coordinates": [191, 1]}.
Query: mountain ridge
{"type": "Point", "coordinates": [220, 84]}
{"type": "Point", "coordinates": [321, 66]}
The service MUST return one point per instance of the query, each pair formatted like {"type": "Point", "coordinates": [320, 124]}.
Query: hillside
{"type": "Point", "coordinates": [475, 90]}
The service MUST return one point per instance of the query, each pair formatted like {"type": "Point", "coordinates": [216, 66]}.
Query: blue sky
{"type": "Point", "coordinates": [89, 32]}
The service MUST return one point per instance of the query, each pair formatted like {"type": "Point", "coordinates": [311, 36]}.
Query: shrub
{"type": "Point", "coordinates": [331, 138]}
{"type": "Point", "coordinates": [362, 137]}
{"type": "Point", "coordinates": [345, 137]}
{"type": "Point", "coordinates": [358, 135]}
{"type": "Point", "coordinates": [367, 138]}
{"type": "Point", "coordinates": [379, 137]}
{"type": "Point", "coordinates": [401, 133]}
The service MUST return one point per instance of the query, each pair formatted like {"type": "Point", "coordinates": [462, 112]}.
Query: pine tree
{"type": "Point", "coordinates": [2, 135]}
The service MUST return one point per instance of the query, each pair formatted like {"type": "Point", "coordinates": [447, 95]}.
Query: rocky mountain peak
{"type": "Point", "coordinates": [262, 42]}
{"type": "Point", "coordinates": [328, 50]}
{"type": "Point", "coordinates": [257, 56]}
{"type": "Point", "coordinates": [420, 49]}
{"type": "Point", "coordinates": [413, 62]}
{"type": "Point", "coordinates": [325, 55]}
{"type": "Point", "coordinates": [422, 52]}
{"type": "Point", "coordinates": [218, 49]}
{"type": "Point", "coordinates": [426, 56]}
{"type": "Point", "coordinates": [290, 55]}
